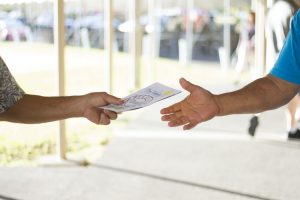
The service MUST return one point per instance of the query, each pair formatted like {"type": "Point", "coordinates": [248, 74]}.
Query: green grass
{"type": "Point", "coordinates": [24, 147]}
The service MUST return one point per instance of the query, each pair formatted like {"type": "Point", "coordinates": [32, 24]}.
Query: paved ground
{"type": "Point", "coordinates": [149, 161]}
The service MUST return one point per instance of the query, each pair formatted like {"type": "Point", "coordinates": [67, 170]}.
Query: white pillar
{"type": "Point", "coordinates": [226, 35]}
{"type": "Point", "coordinates": [253, 4]}
{"type": "Point", "coordinates": [135, 43]}
{"type": "Point", "coordinates": [59, 44]}
{"type": "Point", "coordinates": [108, 74]}
{"type": "Point", "coordinates": [270, 3]}
{"type": "Point", "coordinates": [152, 42]}
{"type": "Point", "coordinates": [189, 31]}
{"type": "Point", "coordinates": [260, 41]}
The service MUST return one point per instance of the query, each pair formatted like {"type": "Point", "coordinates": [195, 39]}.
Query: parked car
{"type": "Point", "coordinates": [43, 27]}
{"type": "Point", "coordinates": [169, 29]}
{"type": "Point", "coordinates": [14, 30]}
{"type": "Point", "coordinates": [89, 30]}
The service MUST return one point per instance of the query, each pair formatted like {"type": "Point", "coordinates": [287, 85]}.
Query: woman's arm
{"type": "Point", "coordinates": [37, 109]}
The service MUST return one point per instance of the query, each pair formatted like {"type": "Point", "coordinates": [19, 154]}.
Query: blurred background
{"type": "Point", "coordinates": [176, 38]}
{"type": "Point", "coordinates": [120, 47]}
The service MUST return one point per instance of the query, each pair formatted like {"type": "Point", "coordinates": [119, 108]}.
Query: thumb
{"type": "Point", "coordinates": [187, 85]}
{"type": "Point", "coordinates": [109, 99]}
{"type": "Point", "coordinates": [102, 98]}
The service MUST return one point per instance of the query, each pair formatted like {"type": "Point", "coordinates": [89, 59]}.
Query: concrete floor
{"type": "Point", "coordinates": [149, 161]}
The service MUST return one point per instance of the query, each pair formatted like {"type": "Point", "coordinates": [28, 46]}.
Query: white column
{"type": "Point", "coordinates": [135, 43]}
{"type": "Point", "coordinates": [226, 35]}
{"type": "Point", "coordinates": [189, 31]}
{"type": "Point", "coordinates": [108, 74]}
{"type": "Point", "coordinates": [260, 41]}
{"type": "Point", "coordinates": [253, 4]}
{"type": "Point", "coordinates": [270, 3]}
{"type": "Point", "coordinates": [59, 44]}
{"type": "Point", "coordinates": [152, 42]}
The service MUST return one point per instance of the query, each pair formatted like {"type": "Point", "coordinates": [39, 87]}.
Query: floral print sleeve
{"type": "Point", "coordinates": [10, 92]}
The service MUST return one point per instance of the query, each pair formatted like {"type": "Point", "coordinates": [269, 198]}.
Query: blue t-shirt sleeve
{"type": "Point", "coordinates": [287, 66]}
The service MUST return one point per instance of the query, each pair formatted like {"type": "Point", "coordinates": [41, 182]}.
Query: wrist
{"type": "Point", "coordinates": [220, 109]}
{"type": "Point", "coordinates": [74, 106]}
{"type": "Point", "coordinates": [82, 103]}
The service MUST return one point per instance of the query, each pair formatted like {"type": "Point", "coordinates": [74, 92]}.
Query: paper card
{"type": "Point", "coordinates": [144, 97]}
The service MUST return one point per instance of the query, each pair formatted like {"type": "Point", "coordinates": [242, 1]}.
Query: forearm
{"type": "Point", "coordinates": [263, 94]}
{"type": "Point", "coordinates": [37, 109]}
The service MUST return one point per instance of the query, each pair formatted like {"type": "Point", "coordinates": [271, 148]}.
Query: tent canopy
{"type": "Point", "coordinates": [11, 2]}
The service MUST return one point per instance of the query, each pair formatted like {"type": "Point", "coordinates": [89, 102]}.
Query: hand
{"type": "Point", "coordinates": [198, 107]}
{"type": "Point", "coordinates": [97, 115]}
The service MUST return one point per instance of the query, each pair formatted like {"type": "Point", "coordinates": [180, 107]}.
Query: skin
{"type": "Point", "coordinates": [297, 2]}
{"type": "Point", "coordinates": [201, 105]}
{"type": "Point", "coordinates": [33, 109]}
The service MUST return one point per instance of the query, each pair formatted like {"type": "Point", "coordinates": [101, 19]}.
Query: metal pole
{"type": "Point", "coordinates": [260, 45]}
{"type": "Point", "coordinates": [109, 45]}
{"type": "Point", "coordinates": [59, 44]}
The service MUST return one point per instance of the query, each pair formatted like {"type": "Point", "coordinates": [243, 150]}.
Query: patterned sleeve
{"type": "Point", "coordinates": [10, 92]}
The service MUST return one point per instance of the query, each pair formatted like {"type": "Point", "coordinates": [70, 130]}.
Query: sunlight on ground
{"type": "Point", "coordinates": [33, 66]}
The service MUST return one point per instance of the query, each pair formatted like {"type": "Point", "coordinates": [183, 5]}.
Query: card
{"type": "Point", "coordinates": [144, 97]}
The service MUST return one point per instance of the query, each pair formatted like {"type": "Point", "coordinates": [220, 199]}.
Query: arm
{"type": "Point", "coordinates": [263, 94]}
{"type": "Point", "coordinates": [201, 105]}
{"type": "Point", "coordinates": [37, 109]}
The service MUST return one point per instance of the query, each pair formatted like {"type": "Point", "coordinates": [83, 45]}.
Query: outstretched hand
{"type": "Point", "coordinates": [97, 115]}
{"type": "Point", "coordinates": [198, 107]}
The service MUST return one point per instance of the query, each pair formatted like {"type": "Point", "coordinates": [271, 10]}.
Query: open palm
{"type": "Point", "coordinates": [198, 107]}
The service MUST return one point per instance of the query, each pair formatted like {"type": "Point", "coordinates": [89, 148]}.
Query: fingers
{"type": "Point", "coordinates": [111, 115]}
{"type": "Point", "coordinates": [175, 119]}
{"type": "Point", "coordinates": [106, 116]}
{"type": "Point", "coordinates": [100, 116]}
{"type": "Point", "coordinates": [190, 125]}
{"type": "Point", "coordinates": [104, 119]}
{"type": "Point", "coordinates": [172, 117]}
{"type": "Point", "coordinates": [187, 85]}
{"type": "Point", "coordinates": [178, 119]}
{"type": "Point", "coordinates": [171, 109]}
{"type": "Point", "coordinates": [178, 122]}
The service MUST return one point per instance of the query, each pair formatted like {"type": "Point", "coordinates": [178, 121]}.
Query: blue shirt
{"type": "Point", "coordinates": [287, 66]}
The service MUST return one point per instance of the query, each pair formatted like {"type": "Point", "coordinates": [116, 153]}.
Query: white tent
{"type": "Point", "coordinates": [12, 2]}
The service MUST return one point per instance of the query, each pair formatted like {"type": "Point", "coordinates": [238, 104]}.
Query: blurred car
{"type": "Point", "coordinates": [43, 27]}
{"type": "Point", "coordinates": [46, 20]}
{"type": "Point", "coordinates": [3, 14]}
{"type": "Point", "coordinates": [89, 30]}
{"type": "Point", "coordinates": [13, 30]}
{"type": "Point", "coordinates": [169, 28]}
